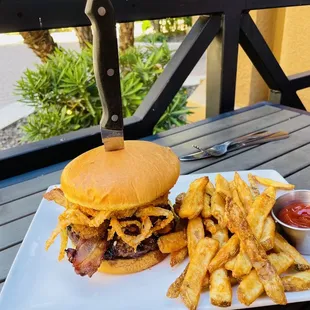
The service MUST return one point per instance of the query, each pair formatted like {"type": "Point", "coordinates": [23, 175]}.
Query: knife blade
{"type": "Point", "coordinates": [106, 70]}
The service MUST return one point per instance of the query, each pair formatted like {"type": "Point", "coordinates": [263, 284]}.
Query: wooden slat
{"type": "Point", "coordinates": [295, 124]}
{"type": "Point", "coordinates": [263, 153]}
{"type": "Point", "coordinates": [301, 179]}
{"type": "Point", "coordinates": [6, 259]}
{"type": "Point", "coordinates": [221, 124]}
{"type": "Point", "coordinates": [19, 208]}
{"type": "Point", "coordinates": [234, 132]}
{"type": "Point", "coordinates": [208, 120]}
{"type": "Point", "coordinates": [26, 188]}
{"type": "Point", "coordinates": [14, 232]}
{"type": "Point", "coordinates": [297, 159]}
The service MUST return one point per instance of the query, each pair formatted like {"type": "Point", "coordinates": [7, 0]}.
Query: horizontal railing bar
{"type": "Point", "coordinates": [32, 156]}
{"type": "Point", "coordinates": [27, 15]}
{"type": "Point", "coordinates": [268, 4]}
{"type": "Point", "coordinates": [300, 80]}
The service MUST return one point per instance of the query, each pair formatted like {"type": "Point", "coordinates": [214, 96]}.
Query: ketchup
{"type": "Point", "coordinates": [296, 214]}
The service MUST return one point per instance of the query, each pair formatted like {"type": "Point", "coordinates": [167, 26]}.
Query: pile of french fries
{"type": "Point", "coordinates": [231, 239]}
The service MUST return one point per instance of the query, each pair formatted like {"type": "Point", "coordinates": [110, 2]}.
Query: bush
{"type": "Point", "coordinates": [172, 26]}
{"type": "Point", "coordinates": [65, 97]}
{"type": "Point", "coordinates": [164, 29]}
{"type": "Point", "coordinates": [152, 37]}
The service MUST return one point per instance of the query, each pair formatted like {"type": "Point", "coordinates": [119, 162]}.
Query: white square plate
{"type": "Point", "coordinates": [38, 281]}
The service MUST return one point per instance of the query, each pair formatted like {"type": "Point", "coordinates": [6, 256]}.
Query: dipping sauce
{"type": "Point", "coordinates": [296, 214]}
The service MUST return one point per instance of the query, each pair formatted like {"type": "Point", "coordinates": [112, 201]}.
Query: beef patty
{"type": "Point", "coordinates": [117, 248]}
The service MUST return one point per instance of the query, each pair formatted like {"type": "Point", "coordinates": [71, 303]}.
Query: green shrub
{"type": "Point", "coordinates": [164, 30]}
{"type": "Point", "coordinates": [172, 26]}
{"type": "Point", "coordinates": [65, 97]}
{"type": "Point", "coordinates": [152, 37]}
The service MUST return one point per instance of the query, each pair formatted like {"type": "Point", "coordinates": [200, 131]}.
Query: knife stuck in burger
{"type": "Point", "coordinates": [115, 196]}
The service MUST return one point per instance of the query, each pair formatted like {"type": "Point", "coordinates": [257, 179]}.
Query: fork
{"type": "Point", "coordinates": [202, 154]}
{"type": "Point", "coordinates": [222, 148]}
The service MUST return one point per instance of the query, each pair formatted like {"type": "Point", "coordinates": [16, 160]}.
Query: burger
{"type": "Point", "coordinates": [115, 208]}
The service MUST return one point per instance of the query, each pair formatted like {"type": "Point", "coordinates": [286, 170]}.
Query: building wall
{"type": "Point", "coordinates": [287, 32]}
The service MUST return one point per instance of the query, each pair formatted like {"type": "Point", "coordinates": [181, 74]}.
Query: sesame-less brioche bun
{"type": "Point", "coordinates": [133, 265]}
{"type": "Point", "coordinates": [120, 180]}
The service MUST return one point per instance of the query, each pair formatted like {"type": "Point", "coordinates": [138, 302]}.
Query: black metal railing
{"type": "Point", "coordinates": [221, 27]}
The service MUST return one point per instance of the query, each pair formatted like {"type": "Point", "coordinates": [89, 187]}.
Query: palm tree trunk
{"type": "Point", "coordinates": [41, 42]}
{"type": "Point", "coordinates": [155, 24]}
{"type": "Point", "coordinates": [84, 35]}
{"type": "Point", "coordinates": [126, 36]}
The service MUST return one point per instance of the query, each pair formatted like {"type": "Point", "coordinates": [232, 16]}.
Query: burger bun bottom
{"type": "Point", "coordinates": [133, 265]}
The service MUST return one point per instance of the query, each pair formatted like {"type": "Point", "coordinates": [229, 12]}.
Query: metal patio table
{"type": "Point", "coordinates": [21, 195]}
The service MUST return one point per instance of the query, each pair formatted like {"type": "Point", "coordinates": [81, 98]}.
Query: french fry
{"type": "Point", "coordinates": [280, 261]}
{"type": "Point", "coordinates": [179, 199]}
{"type": "Point", "coordinates": [231, 264]}
{"type": "Point", "coordinates": [244, 192]}
{"type": "Point", "coordinates": [260, 210]}
{"type": "Point", "coordinates": [210, 225]}
{"type": "Point", "coordinates": [210, 190]}
{"type": "Point", "coordinates": [220, 288]}
{"type": "Point", "coordinates": [269, 233]}
{"type": "Point", "coordinates": [281, 245]}
{"type": "Point", "coordinates": [242, 265]}
{"type": "Point", "coordinates": [275, 184]}
{"type": "Point", "coordinates": [178, 202]}
{"type": "Point", "coordinates": [193, 201]}
{"type": "Point", "coordinates": [197, 269]}
{"type": "Point", "coordinates": [251, 288]}
{"type": "Point", "coordinates": [174, 288]}
{"type": "Point", "coordinates": [221, 235]}
{"type": "Point", "coordinates": [178, 257]}
{"type": "Point", "coordinates": [218, 209]}
{"type": "Point", "coordinates": [299, 281]}
{"type": "Point", "coordinates": [235, 195]}
{"type": "Point", "coordinates": [172, 242]}
{"type": "Point", "coordinates": [206, 210]}
{"type": "Point", "coordinates": [236, 200]}
{"type": "Point", "coordinates": [195, 232]}
{"type": "Point", "coordinates": [265, 271]}
{"type": "Point", "coordinates": [222, 186]}
{"type": "Point", "coordinates": [226, 252]}
{"type": "Point", "coordinates": [253, 186]}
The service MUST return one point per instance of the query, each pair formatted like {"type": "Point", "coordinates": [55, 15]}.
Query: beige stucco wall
{"type": "Point", "coordinates": [295, 51]}
{"type": "Point", "coordinates": [287, 32]}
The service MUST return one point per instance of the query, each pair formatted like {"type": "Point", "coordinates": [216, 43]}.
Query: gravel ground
{"type": "Point", "coordinates": [11, 136]}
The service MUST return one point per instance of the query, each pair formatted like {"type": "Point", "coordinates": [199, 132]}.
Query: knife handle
{"type": "Point", "coordinates": [105, 60]}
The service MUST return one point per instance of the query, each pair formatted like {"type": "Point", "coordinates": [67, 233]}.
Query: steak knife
{"type": "Point", "coordinates": [106, 69]}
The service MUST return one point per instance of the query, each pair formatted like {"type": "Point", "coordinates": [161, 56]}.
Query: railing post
{"type": "Point", "coordinates": [275, 96]}
{"type": "Point", "coordinates": [222, 59]}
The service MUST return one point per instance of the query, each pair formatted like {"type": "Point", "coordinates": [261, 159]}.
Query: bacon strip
{"type": "Point", "coordinates": [87, 256]}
